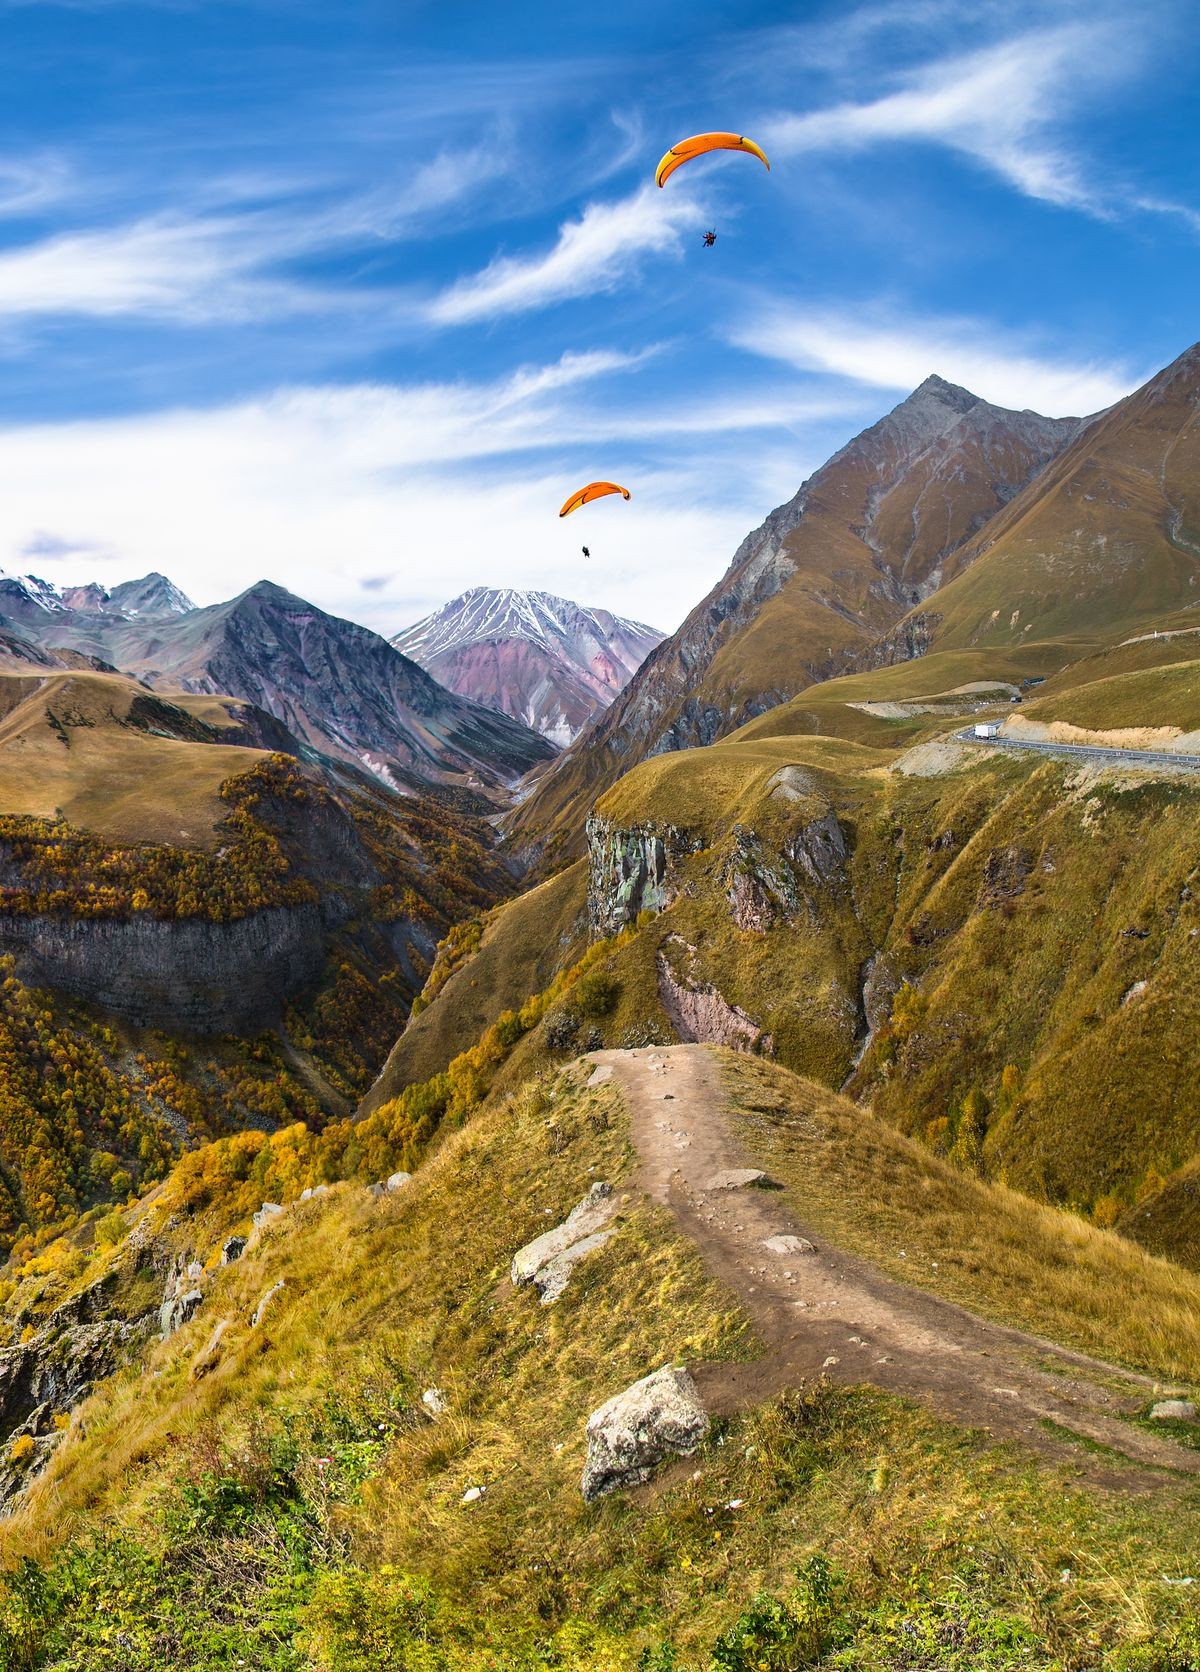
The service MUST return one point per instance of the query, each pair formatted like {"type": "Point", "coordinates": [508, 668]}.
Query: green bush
{"type": "Point", "coordinates": [596, 994]}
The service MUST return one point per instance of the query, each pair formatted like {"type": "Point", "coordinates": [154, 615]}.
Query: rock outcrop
{"type": "Point", "coordinates": [762, 887]}
{"type": "Point", "coordinates": [629, 870]}
{"type": "Point", "coordinates": [44, 1378]}
{"type": "Point", "coordinates": [548, 1261]}
{"type": "Point", "coordinates": [183, 973]}
{"type": "Point", "coordinates": [701, 1015]}
{"type": "Point", "coordinates": [659, 1417]}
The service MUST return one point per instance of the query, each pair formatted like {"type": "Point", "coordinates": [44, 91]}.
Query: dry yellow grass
{"type": "Point", "coordinates": [867, 1187]}
{"type": "Point", "coordinates": [65, 748]}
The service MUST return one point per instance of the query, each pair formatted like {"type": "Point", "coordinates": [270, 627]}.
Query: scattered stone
{"type": "Point", "coordinates": [600, 1075]}
{"type": "Point", "coordinates": [1174, 1410]}
{"type": "Point", "coordinates": [266, 1300]}
{"type": "Point", "coordinates": [829, 1362]}
{"type": "Point", "coordinates": [553, 1277]}
{"type": "Point", "coordinates": [195, 1272]}
{"type": "Point", "coordinates": [434, 1401]}
{"type": "Point", "coordinates": [548, 1260]}
{"type": "Point", "coordinates": [736, 1178]}
{"type": "Point", "coordinates": [265, 1214]}
{"type": "Point", "coordinates": [472, 1495]}
{"type": "Point", "coordinates": [660, 1416]}
{"type": "Point", "coordinates": [313, 1191]}
{"type": "Point", "coordinates": [209, 1356]}
{"type": "Point", "coordinates": [232, 1249]}
{"type": "Point", "coordinates": [789, 1245]}
{"type": "Point", "coordinates": [397, 1181]}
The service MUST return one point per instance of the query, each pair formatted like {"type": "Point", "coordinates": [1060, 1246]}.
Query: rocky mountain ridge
{"type": "Point", "coordinates": [337, 687]}
{"type": "Point", "coordinates": [546, 660]}
{"type": "Point", "coordinates": [862, 540]}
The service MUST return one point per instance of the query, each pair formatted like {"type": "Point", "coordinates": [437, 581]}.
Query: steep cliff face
{"type": "Point", "coordinates": [862, 541]}
{"type": "Point", "coordinates": [304, 885]}
{"type": "Point", "coordinates": [631, 870]}
{"type": "Point", "coordinates": [194, 975]}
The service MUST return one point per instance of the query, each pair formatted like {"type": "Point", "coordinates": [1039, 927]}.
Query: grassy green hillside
{"type": "Point", "coordinates": [1002, 963]}
{"type": "Point", "coordinates": [283, 1498]}
{"type": "Point", "coordinates": [485, 967]}
{"type": "Point", "coordinates": [104, 754]}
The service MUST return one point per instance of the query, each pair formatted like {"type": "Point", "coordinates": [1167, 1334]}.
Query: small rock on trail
{"type": "Point", "coordinates": [1174, 1410]}
{"type": "Point", "coordinates": [789, 1245]}
{"type": "Point", "coordinates": [736, 1178]}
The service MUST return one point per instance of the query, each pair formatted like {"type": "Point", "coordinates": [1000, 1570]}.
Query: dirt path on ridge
{"type": "Point", "coordinates": [831, 1313]}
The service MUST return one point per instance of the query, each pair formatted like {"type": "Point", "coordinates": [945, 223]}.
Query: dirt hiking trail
{"type": "Point", "coordinates": [822, 1312]}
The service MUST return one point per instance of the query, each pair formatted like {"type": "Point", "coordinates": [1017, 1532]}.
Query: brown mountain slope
{"type": "Point", "coordinates": [864, 539]}
{"type": "Point", "coordinates": [1105, 544]}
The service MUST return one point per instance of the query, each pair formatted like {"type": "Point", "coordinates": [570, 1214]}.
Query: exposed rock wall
{"type": "Point", "coordinates": [193, 974]}
{"type": "Point", "coordinates": [762, 887]}
{"type": "Point", "coordinates": [702, 1015]}
{"type": "Point", "coordinates": [629, 870]}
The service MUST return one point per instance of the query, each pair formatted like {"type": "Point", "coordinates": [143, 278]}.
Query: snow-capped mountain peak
{"type": "Point", "coordinates": [543, 659]}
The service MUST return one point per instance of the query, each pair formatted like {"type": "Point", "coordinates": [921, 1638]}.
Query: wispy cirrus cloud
{"type": "Point", "coordinates": [195, 270]}
{"type": "Point", "coordinates": [226, 251]}
{"type": "Point", "coordinates": [345, 494]}
{"type": "Point", "coordinates": [592, 254]}
{"type": "Point", "coordinates": [885, 351]}
{"type": "Point", "coordinates": [1003, 106]}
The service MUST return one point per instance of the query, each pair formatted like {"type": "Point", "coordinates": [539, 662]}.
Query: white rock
{"type": "Point", "coordinates": [660, 1416]}
{"type": "Point", "coordinates": [266, 1300]}
{"type": "Point", "coordinates": [472, 1495]}
{"type": "Point", "coordinates": [1174, 1410]}
{"type": "Point", "coordinates": [268, 1211]}
{"type": "Point", "coordinates": [397, 1181]}
{"type": "Point", "coordinates": [736, 1178]}
{"type": "Point", "coordinates": [553, 1277]}
{"type": "Point", "coordinates": [434, 1401]}
{"type": "Point", "coordinates": [600, 1075]}
{"type": "Point", "coordinates": [582, 1224]}
{"type": "Point", "coordinates": [789, 1245]}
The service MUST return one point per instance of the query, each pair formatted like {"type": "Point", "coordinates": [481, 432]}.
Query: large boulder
{"type": "Point", "coordinates": [547, 1261]}
{"type": "Point", "coordinates": [661, 1416]}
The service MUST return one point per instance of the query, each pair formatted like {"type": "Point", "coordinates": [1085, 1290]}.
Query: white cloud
{"type": "Point", "coordinates": [1002, 106]}
{"type": "Point", "coordinates": [32, 183]}
{"type": "Point", "coordinates": [591, 254]}
{"type": "Point", "coordinates": [380, 502]}
{"type": "Point", "coordinates": [197, 270]}
{"type": "Point", "coordinates": [220, 259]}
{"type": "Point", "coordinates": [893, 353]}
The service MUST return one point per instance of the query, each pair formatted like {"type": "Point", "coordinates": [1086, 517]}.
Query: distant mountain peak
{"type": "Point", "coordinates": [950, 394]}
{"type": "Point", "coordinates": [542, 658]}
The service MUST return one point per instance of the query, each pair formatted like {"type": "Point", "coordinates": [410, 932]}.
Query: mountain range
{"type": "Point", "coordinates": [339, 689]}
{"type": "Point", "coordinates": [550, 663]}
{"type": "Point", "coordinates": [950, 523]}
{"type": "Point", "coordinates": [788, 1127]}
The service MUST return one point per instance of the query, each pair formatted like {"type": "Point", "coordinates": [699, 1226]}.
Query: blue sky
{"type": "Point", "coordinates": [351, 296]}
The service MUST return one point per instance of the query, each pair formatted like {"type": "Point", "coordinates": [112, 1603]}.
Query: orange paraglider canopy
{"type": "Point", "coordinates": [698, 145]}
{"type": "Point", "coordinates": [594, 490]}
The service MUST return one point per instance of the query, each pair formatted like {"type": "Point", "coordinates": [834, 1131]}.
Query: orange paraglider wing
{"type": "Point", "coordinates": [698, 145]}
{"type": "Point", "coordinates": [594, 490]}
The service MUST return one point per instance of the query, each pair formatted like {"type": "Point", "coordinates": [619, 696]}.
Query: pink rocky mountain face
{"type": "Point", "coordinates": [542, 659]}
